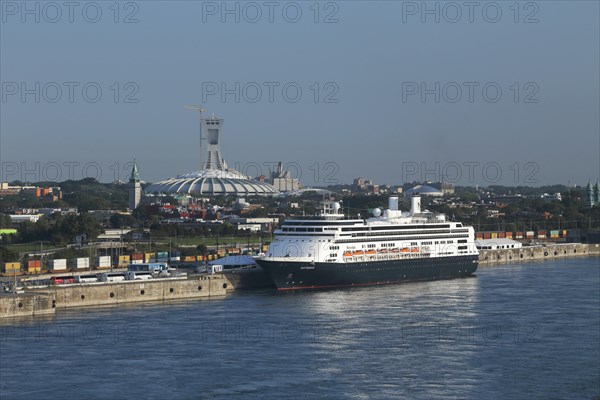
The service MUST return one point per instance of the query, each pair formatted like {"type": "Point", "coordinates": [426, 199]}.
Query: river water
{"type": "Point", "coordinates": [519, 331]}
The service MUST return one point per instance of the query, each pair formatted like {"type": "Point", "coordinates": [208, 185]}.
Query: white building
{"type": "Point", "coordinates": [17, 219]}
{"type": "Point", "coordinates": [497, 244]}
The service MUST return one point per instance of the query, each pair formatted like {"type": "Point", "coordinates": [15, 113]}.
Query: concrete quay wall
{"type": "Point", "coordinates": [113, 294]}
{"type": "Point", "coordinates": [26, 305]}
{"type": "Point", "coordinates": [536, 253]}
{"type": "Point", "coordinates": [46, 300]}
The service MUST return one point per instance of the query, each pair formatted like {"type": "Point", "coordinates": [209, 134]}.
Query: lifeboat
{"type": "Point", "coordinates": [405, 250]}
{"type": "Point", "coordinates": [370, 252]}
{"type": "Point", "coordinates": [358, 253]}
{"type": "Point", "coordinates": [382, 251]}
{"type": "Point", "coordinates": [347, 254]}
{"type": "Point", "coordinates": [414, 250]}
{"type": "Point", "coordinates": [395, 250]}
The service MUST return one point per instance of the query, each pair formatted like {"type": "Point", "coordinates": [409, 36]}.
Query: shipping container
{"type": "Point", "coordinates": [12, 272]}
{"type": "Point", "coordinates": [518, 235]}
{"type": "Point", "coordinates": [541, 234]}
{"type": "Point", "coordinates": [124, 261]}
{"type": "Point", "coordinates": [554, 234]}
{"type": "Point", "coordinates": [530, 234]}
{"type": "Point", "coordinates": [175, 258]}
{"type": "Point", "coordinates": [34, 269]}
{"type": "Point", "coordinates": [564, 233]}
{"type": "Point", "coordinates": [487, 235]}
{"type": "Point", "coordinates": [137, 256]}
{"type": "Point", "coordinates": [149, 257]}
{"type": "Point", "coordinates": [137, 262]}
{"type": "Point", "coordinates": [509, 235]}
{"type": "Point", "coordinates": [34, 263]}
{"type": "Point", "coordinates": [11, 268]}
{"type": "Point", "coordinates": [190, 258]}
{"type": "Point", "coordinates": [59, 264]}
{"type": "Point", "coordinates": [494, 235]}
{"type": "Point", "coordinates": [478, 236]}
{"type": "Point", "coordinates": [104, 261]}
{"type": "Point", "coordinates": [81, 263]}
{"type": "Point", "coordinates": [501, 235]}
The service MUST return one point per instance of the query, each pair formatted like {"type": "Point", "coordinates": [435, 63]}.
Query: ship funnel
{"type": "Point", "coordinates": [415, 205]}
{"type": "Point", "coordinates": [393, 203]}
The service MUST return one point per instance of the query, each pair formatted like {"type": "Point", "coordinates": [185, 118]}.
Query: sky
{"type": "Point", "coordinates": [394, 91]}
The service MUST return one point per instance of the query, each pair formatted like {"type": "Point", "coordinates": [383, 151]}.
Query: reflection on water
{"type": "Point", "coordinates": [515, 331]}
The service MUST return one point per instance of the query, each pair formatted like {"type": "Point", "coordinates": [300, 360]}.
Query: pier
{"type": "Point", "coordinates": [44, 301]}
{"type": "Point", "coordinates": [537, 253]}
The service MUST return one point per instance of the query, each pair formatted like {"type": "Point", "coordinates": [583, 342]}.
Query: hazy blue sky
{"type": "Point", "coordinates": [373, 63]}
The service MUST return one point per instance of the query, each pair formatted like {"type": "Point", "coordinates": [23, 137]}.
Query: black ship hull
{"type": "Point", "coordinates": [294, 275]}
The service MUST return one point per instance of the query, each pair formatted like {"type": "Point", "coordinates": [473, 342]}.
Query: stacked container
{"type": "Point", "coordinates": [149, 257]}
{"type": "Point", "coordinates": [137, 258]}
{"type": "Point", "coordinates": [12, 268]}
{"type": "Point", "coordinates": [34, 266]}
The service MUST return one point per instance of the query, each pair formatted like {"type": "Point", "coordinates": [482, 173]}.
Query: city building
{"type": "Point", "coordinates": [17, 219]}
{"type": "Point", "coordinates": [282, 180]}
{"type": "Point", "coordinates": [214, 178]}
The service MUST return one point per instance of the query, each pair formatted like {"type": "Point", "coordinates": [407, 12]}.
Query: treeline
{"type": "Point", "coordinates": [85, 194]}
{"type": "Point", "coordinates": [59, 229]}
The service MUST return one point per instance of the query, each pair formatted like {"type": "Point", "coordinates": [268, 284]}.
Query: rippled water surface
{"type": "Point", "coordinates": [518, 331]}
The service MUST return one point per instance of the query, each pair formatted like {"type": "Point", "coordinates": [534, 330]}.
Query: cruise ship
{"type": "Point", "coordinates": [328, 250]}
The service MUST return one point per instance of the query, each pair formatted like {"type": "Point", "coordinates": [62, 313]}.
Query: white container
{"type": "Point", "coordinates": [104, 261]}
{"type": "Point", "coordinates": [59, 264]}
{"type": "Point", "coordinates": [137, 261]}
{"type": "Point", "coordinates": [81, 263]}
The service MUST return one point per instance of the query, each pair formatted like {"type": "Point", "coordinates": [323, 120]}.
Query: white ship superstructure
{"type": "Point", "coordinates": [393, 234]}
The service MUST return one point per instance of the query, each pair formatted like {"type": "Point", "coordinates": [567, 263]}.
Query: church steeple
{"type": "Point", "coordinates": [135, 175]}
{"type": "Point", "coordinates": [135, 188]}
{"type": "Point", "coordinates": [589, 195]}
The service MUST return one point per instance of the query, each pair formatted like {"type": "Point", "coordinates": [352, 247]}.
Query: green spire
{"type": "Point", "coordinates": [135, 175]}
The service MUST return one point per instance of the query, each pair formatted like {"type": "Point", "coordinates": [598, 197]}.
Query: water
{"type": "Point", "coordinates": [513, 332]}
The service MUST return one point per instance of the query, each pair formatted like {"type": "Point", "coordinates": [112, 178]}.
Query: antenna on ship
{"type": "Point", "coordinates": [200, 111]}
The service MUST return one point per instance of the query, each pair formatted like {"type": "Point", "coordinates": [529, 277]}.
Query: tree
{"type": "Point", "coordinates": [5, 221]}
